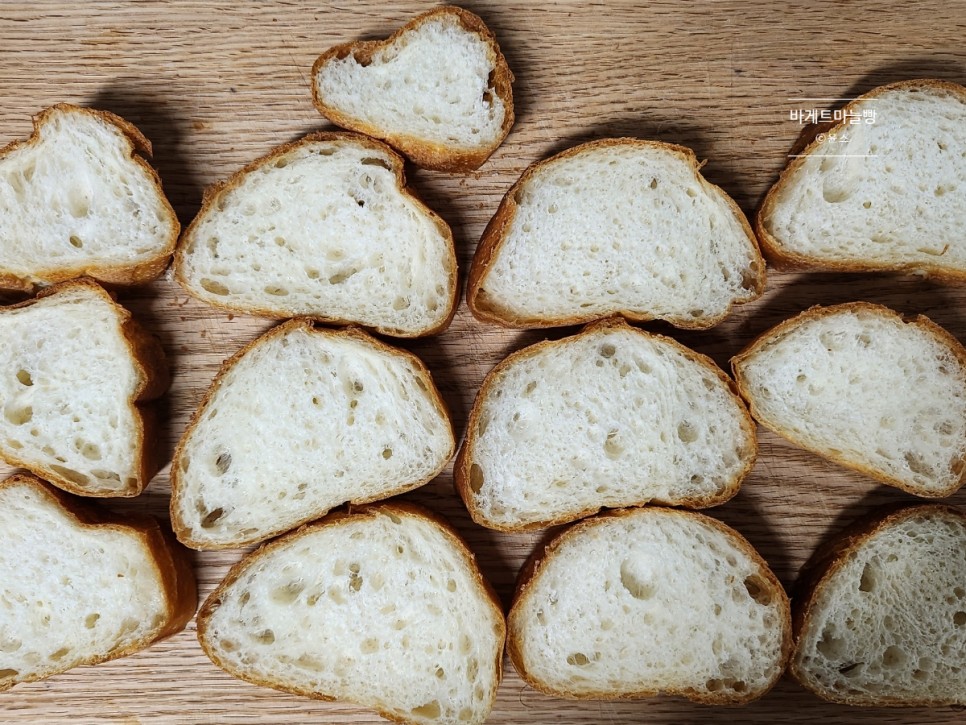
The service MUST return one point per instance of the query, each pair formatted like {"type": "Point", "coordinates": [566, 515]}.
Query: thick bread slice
{"type": "Point", "coordinates": [613, 416]}
{"type": "Point", "coordinates": [75, 371]}
{"type": "Point", "coordinates": [78, 198]}
{"type": "Point", "coordinates": [863, 386]}
{"type": "Point", "coordinates": [882, 620]}
{"type": "Point", "coordinates": [383, 607]}
{"type": "Point", "coordinates": [80, 587]}
{"type": "Point", "coordinates": [639, 602]}
{"type": "Point", "coordinates": [888, 195]}
{"type": "Point", "coordinates": [325, 228]}
{"type": "Point", "coordinates": [615, 226]}
{"type": "Point", "coordinates": [438, 89]}
{"type": "Point", "coordinates": [298, 422]}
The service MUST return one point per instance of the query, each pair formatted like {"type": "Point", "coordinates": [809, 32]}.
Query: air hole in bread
{"type": "Point", "coordinates": [266, 636]}
{"type": "Point", "coordinates": [612, 446]}
{"type": "Point", "coordinates": [578, 659]}
{"type": "Point", "coordinates": [757, 590]}
{"type": "Point", "coordinates": [373, 161]}
{"type": "Point", "coordinates": [18, 415]}
{"type": "Point", "coordinates": [430, 709]}
{"type": "Point", "coordinates": [276, 291]}
{"type": "Point", "coordinates": [687, 432]}
{"type": "Point", "coordinates": [867, 581]}
{"type": "Point", "coordinates": [90, 451]}
{"type": "Point", "coordinates": [76, 242]}
{"type": "Point", "coordinates": [24, 378]}
{"type": "Point", "coordinates": [476, 478]}
{"type": "Point", "coordinates": [893, 656]}
{"type": "Point", "coordinates": [749, 277]}
{"type": "Point", "coordinates": [696, 313]}
{"type": "Point", "coordinates": [289, 592]}
{"type": "Point", "coordinates": [325, 151]}
{"type": "Point", "coordinates": [653, 184]}
{"type": "Point", "coordinates": [959, 619]}
{"type": "Point", "coordinates": [369, 646]}
{"type": "Point", "coordinates": [223, 463]}
{"type": "Point", "coordinates": [607, 350]}
{"type": "Point", "coordinates": [60, 654]}
{"type": "Point", "coordinates": [917, 464]}
{"type": "Point", "coordinates": [634, 581]}
{"type": "Point", "coordinates": [211, 518]}
{"type": "Point", "coordinates": [90, 621]}
{"type": "Point", "coordinates": [692, 192]}
{"type": "Point", "coordinates": [216, 288]}
{"type": "Point", "coordinates": [387, 453]}
{"type": "Point", "coordinates": [71, 475]}
{"type": "Point", "coordinates": [340, 277]}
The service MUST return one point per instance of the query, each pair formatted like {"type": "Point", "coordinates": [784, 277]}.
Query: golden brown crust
{"type": "Point", "coordinates": [817, 312]}
{"type": "Point", "coordinates": [181, 528]}
{"type": "Point", "coordinates": [495, 234]}
{"type": "Point", "coordinates": [423, 153]}
{"type": "Point", "coordinates": [464, 460]}
{"type": "Point", "coordinates": [537, 561]}
{"type": "Point", "coordinates": [786, 259]}
{"type": "Point", "coordinates": [148, 358]}
{"type": "Point", "coordinates": [215, 193]}
{"type": "Point", "coordinates": [124, 275]}
{"type": "Point", "coordinates": [170, 559]}
{"type": "Point", "coordinates": [335, 518]}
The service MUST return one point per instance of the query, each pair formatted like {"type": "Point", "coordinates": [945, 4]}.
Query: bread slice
{"type": "Point", "coordinates": [883, 618]}
{"type": "Point", "coordinates": [438, 89]}
{"type": "Point", "coordinates": [883, 193]}
{"type": "Point", "coordinates": [75, 373]}
{"type": "Point", "coordinates": [613, 416]}
{"type": "Point", "coordinates": [81, 587]}
{"type": "Point", "coordinates": [383, 607]}
{"type": "Point", "coordinates": [298, 422]}
{"type": "Point", "coordinates": [78, 198]}
{"type": "Point", "coordinates": [325, 228]}
{"type": "Point", "coordinates": [863, 386]}
{"type": "Point", "coordinates": [615, 226]}
{"type": "Point", "coordinates": [639, 602]}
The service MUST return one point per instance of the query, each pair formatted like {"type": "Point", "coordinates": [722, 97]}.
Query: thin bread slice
{"type": "Point", "coordinates": [79, 586]}
{"type": "Point", "coordinates": [613, 416]}
{"type": "Point", "coordinates": [617, 226]}
{"type": "Point", "coordinates": [863, 386]}
{"type": "Point", "coordinates": [325, 228]}
{"type": "Point", "coordinates": [76, 373]}
{"type": "Point", "coordinates": [438, 89]}
{"type": "Point", "coordinates": [882, 189]}
{"type": "Point", "coordinates": [298, 422]}
{"type": "Point", "coordinates": [882, 617]}
{"type": "Point", "coordinates": [78, 198]}
{"type": "Point", "coordinates": [639, 602]}
{"type": "Point", "coordinates": [383, 607]}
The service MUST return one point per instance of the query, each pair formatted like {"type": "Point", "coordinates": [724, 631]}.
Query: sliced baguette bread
{"type": "Point", "coordinates": [80, 587]}
{"type": "Point", "coordinates": [613, 416]}
{"type": "Point", "coordinates": [438, 89]}
{"type": "Point", "coordinates": [882, 620]}
{"type": "Point", "coordinates": [889, 194]}
{"type": "Point", "coordinates": [615, 226]}
{"type": "Point", "coordinates": [325, 228]}
{"type": "Point", "coordinates": [383, 607]}
{"type": "Point", "coordinates": [298, 422]}
{"type": "Point", "coordinates": [75, 373]}
{"type": "Point", "coordinates": [78, 198]}
{"type": "Point", "coordinates": [646, 601]}
{"type": "Point", "coordinates": [863, 386]}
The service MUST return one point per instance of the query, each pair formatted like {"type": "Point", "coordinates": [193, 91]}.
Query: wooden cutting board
{"type": "Point", "coordinates": [216, 84]}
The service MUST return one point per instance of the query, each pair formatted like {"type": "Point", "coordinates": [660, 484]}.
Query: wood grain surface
{"type": "Point", "coordinates": [217, 84]}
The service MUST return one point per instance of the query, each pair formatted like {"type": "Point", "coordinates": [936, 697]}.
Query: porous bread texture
{"type": "Point", "coordinates": [646, 601]}
{"type": "Point", "coordinates": [439, 90]}
{"type": "Point", "coordinates": [615, 226]}
{"type": "Point", "coordinates": [886, 623]}
{"type": "Point", "coordinates": [76, 592]}
{"type": "Point", "coordinates": [326, 228]}
{"type": "Point", "coordinates": [886, 195]}
{"type": "Point", "coordinates": [384, 608]}
{"type": "Point", "coordinates": [860, 385]}
{"type": "Point", "coordinates": [613, 416]}
{"type": "Point", "coordinates": [73, 368]}
{"type": "Point", "coordinates": [77, 199]}
{"type": "Point", "coordinates": [300, 421]}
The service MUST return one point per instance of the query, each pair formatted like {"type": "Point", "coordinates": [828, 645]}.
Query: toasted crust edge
{"type": "Point", "coordinates": [423, 153]}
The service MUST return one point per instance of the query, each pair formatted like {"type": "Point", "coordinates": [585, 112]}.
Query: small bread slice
{"type": "Point", "coordinates": [325, 228]}
{"type": "Point", "coordinates": [383, 607]}
{"type": "Point", "coordinates": [639, 602]}
{"type": "Point", "coordinates": [81, 587]}
{"type": "Point", "coordinates": [75, 373]}
{"type": "Point", "coordinates": [615, 226]}
{"type": "Point", "coordinates": [613, 416]}
{"type": "Point", "coordinates": [863, 386]}
{"type": "Point", "coordinates": [77, 198]}
{"type": "Point", "coordinates": [882, 620]}
{"type": "Point", "coordinates": [298, 422]}
{"type": "Point", "coordinates": [438, 89]}
{"type": "Point", "coordinates": [882, 189]}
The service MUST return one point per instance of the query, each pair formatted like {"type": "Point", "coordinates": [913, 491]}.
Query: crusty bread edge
{"type": "Point", "coordinates": [461, 470]}
{"type": "Point", "coordinates": [335, 518]}
{"type": "Point", "coordinates": [423, 153]}
{"type": "Point", "coordinates": [171, 562]}
{"type": "Point", "coordinates": [538, 560]}
{"type": "Point", "coordinates": [774, 334]}
{"type": "Point", "coordinates": [495, 234]}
